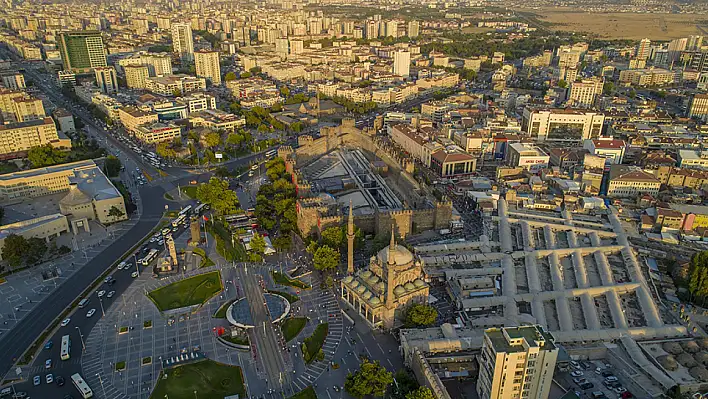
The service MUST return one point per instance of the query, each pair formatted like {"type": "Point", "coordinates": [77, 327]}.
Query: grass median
{"type": "Point", "coordinates": [307, 393]}
{"type": "Point", "coordinates": [290, 297]}
{"type": "Point", "coordinates": [292, 326]}
{"type": "Point", "coordinates": [283, 279]}
{"type": "Point", "coordinates": [192, 291]}
{"type": "Point", "coordinates": [207, 378]}
{"type": "Point", "coordinates": [312, 347]}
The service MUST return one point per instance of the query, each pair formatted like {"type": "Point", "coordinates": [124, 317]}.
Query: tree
{"type": "Point", "coordinates": [326, 258]}
{"type": "Point", "coordinates": [333, 237]}
{"type": "Point", "coordinates": [420, 315]}
{"type": "Point", "coordinates": [562, 84]}
{"type": "Point", "coordinates": [421, 393]}
{"type": "Point", "coordinates": [216, 193]}
{"type": "Point", "coordinates": [164, 150]}
{"type": "Point", "coordinates": [258, 244]}
{"type": "Point", "coordinates": [234, 139]}
{"type": "Point", "coordinates": [230, 76]}
{"type": "Point", "coordinates": [608, 88]}
{"type": "Point", "coordinates": [246, 75]}
{"type": "Point", "coordinates": [37, 247]}
{"type": "Point", "coordinates": [112, 166]}
{"type": "Point", "coordinates": [15, 249]}
{"type": "Point", "coordinates": [283, 243]}
{"type": "Point", "coordinates": [285, 91]}
{"type": "Point", "coordinates": [176, 92]}
{"type": "Point", "coordinates": [296, 127]}
{"type": "Point", "coordinates": [116, 213]}
{"type": "Point", "coordinates": [371, 379]}
{"type": "Point", "coordinates": [212, 139]}
{"type": "Point", "coordinates": [45, 155]}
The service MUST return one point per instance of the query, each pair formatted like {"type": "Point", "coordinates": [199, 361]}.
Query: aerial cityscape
{"type": "Point", "coordinates": [305, 199]}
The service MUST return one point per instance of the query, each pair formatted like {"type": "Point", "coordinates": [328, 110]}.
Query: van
{"type": "Point", "coordinates": [5, 392]}
{"type": "Point", "coordinates": [83, 303]}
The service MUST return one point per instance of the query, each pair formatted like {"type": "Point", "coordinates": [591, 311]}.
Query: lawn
{"type": "Point", "coordinates": [312, 347]}
{"type": "Point", "coordinates": [190, 191]}
{"type": "Point", "coordinates": [292, 326]}
{"type": "Point", "coordinates": [283, 279]}
{"type": "Point", "coordinates": [191, 291]}
{"type": "Point", "coordinates": [290, 297]}
{"type": "Point", "coordinates": [221, 313]}
{"type": "Point", "coordinates": [206, 261]}
{"type": "Point", "coordinates": [307, 393]}
{"type": "Point", "coordinates": [236, 340]}
{"type": "Point", "coordinates": [208, 378]}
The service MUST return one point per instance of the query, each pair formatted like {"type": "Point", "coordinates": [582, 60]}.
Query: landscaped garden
{"type": "Point", "coordinates": [312, 347]}
{"type": "Point", "coordinates": [307, 393]}
{"type": "Point", "coordinates": [290, 297]}
{"type": "Point", "coordinates": [195, 290]}
{"type": "Point", "coordinates": [283, 279]}
{"type": "Point", "coordinates": [221, 312]}
{"type": "Point", "coordinates": [207, 378]}
{"type": "Point", "coordinates": [292, 326]}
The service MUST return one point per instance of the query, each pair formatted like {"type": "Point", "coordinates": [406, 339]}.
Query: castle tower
{"type": "Point", "coordinates": [350, 239]}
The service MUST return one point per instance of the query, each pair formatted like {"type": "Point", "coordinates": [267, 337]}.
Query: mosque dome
{"type": "Point", "coordinates": [380, 286]}
{"type": "Point", "coordinates": [373, 280]}
{"type": "Point", "coordinates": [399, 290]}
{"type": "Point", "coordinates": [375, 301]}
{"type": "Point", "coordinates": [348, 279]}
{"type": "Point", "coordinates": [355, 283]}
{"type": "Point", "coordinates": [409, 286]}
{"type": "Point", "coordinates": [366, 274]}
{"type": "Point", "coordinates": [367, 295]}
{"type": "Point", "coordinates": [360, 289]}
{"type": "Point", "coordinates": [418, 283]}
{"type": "Point", "coordinates": [401, 255]}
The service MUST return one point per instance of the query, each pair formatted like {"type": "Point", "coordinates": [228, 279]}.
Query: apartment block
{"type": "Point", "coordinates": [156, 132]}
{"type": "Point", "coordinates": [175, 84]}
{"type": "Point", "coordinates": [529, 157]}
{"type": "Point", "coordinates": [81, 51]}
{"type": "Point", "coordinates": [207, 66]}
{"type": "Point", "coordinates": [106, 79]}
{"type": "Point", "coordinates": [13, 80]}
{"type": "Point", "coordinates": [584, 93]}
{"type": "Point", "coordinates": [131, 118]}
{"type": "Point", "coordinates": [136, 75]}
{"type": "Point", "coordinates": [562, 124]}
{"type": "Point", "coordinates": [516, 362]}
{"type": "Point", "coordinates": [608, 148]}
{"type": "Point", "coordinates": [17, 138]}
{"type": "Point", "coordinates": [182, 41]}
{"type": "Point", "coordinates": [27, 109]}
{"type": "Point", "coordinates": [628, 182]}
{"type": "Point", "coordinates": [699, 107]}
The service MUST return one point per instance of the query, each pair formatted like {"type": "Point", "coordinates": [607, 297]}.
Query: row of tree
{"type": "Point", "coordinates": [275, 204]}
{"type": "Point", "coordinates": [372, 379]}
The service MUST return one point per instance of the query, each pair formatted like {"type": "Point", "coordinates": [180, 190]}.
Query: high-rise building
{"type": "Point", "coordinates": [402, 63]}
{"type": "Point", "coordinates": [106, 79]}
{"type": "Point", "coordinates": [694, 42]}
{"type": "Point", "coordinates": [18, 137]}
{"type": "Point", "coordinates": [516, 362]}
{"type": "Point", "coordinates": [699, 107]}
{"type": "Point", "coordinates": [372, 29]}
{"type": "Point", "coordinates": [28, 109]}
{"type": "Point", "coordinates": [582, 94]}
{"type": "Point", "coordinates": [182, 41]}
{"type": "Point", "coordinates": [392, 28]}
{"type": "Point", "coordinates": [413, 28]}
{"type": "Point", "coordinates": [207, 65]}
{"type": "Point", "coordinates": [282, 46]}
{"type": "Point", "coordinates": [13, 80]}
{"type": "Point", "coordinates": [81, 51]}
{"type": "Point", "coordinates": [643, 49]}
{"type": "Point", "coordinates": [135, 76]}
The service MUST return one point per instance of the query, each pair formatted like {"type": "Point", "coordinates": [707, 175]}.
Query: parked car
{"type": "Point", "coordinates": [37, 380]}
{"type": "Point", "coordinates": [110, 294]}
{"type": "Point", "coordinates": [134, 274]}
{"type": "Point", "coordinates": [48, 364]}
{"type": "Point", "coordinates": [576, 373]}
{"type": "Point", "coordinates": [50, 378]}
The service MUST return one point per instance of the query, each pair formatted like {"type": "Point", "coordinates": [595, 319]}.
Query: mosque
{"type": "Point", "coordinates": [381, 292]}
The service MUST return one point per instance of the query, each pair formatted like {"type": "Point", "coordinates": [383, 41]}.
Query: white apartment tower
{"type": "Point", "coordinates": [207, 66]}
{"type": "Point", "coordinates": [583, 93]}
{"type": "Point", "coordinates": [643, 49]}
{"type": "Point", "coordinates": [413, 28]}
{"type": "Point", "coordinates": [516, 362]}
{"type": "Point", "coordinates": [136, 75]}
{"type": "Point", "coordinates": [106, 79]}
{"type": "Point", "coordinates": [402, 63]}
{"type": "Point", "coordinates": [182, 41]}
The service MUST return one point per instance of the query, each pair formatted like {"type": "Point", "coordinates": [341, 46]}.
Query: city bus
{"type": "Point", "coordinates": [198, 210]}
{"type": "Point", "coordinates": [271, 153]}
{"type": "Point", "coordinates": [149, 257]}
{"type": "Point", "coordinates": [185, 210]}
{"type": "Point", "coordinates": [179, 220]}
{"type": "Point", "coordinates": [82, 386]}
{"type": "Point", "coordinates": [65, 347]}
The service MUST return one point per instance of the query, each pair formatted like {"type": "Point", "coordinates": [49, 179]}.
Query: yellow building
{"type": "Point", "coordinates": [156, 132]}
{"type": "Point", "coordinates": [131, 118]}
{"type": "Point", "coordinates": [135, 76]}
{"type": "Point", "coordinates": [42, 227]}
{"type": "Point", "coordinates": [27, 109]}
{"type": "Point", "coordinates": [206, 64]}
{"type": "Point", "coordinates": [17, 138]}
{"type": "Point", "coordinates": [516, 362]}
{"type": "Point", "coordinates": [382, 292]}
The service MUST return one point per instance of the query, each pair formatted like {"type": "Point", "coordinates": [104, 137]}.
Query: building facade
{"type": "Point", "coordinates": [106, 79]}
{"type": "Point", "coordinates": [207, 65]}
{"type": "Point", "coordinates": [568, 125]}
{"type": "Point", "coordinates": [81, 51]}
{"type": "Point", "coordinates": [136, 75]}
{"type": "Point", "coordinates": [182, 41]}
{"type": "Point", "coordinates": [17, 138]}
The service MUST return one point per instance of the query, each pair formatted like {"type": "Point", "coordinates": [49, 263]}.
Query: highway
{"type": "Point", "coordinates": [269, 351]}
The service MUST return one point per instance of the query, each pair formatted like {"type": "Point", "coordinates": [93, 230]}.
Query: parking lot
{"type": "Point", "coordinates": [594, 379]}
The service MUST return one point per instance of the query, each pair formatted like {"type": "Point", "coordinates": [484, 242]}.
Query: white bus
{"type": "Point", "coordinates": [271, 153]}
{"type": "Point", "coordinates": [198, 210]}
{"type": "Point", "coordinates": [82, 386]}
{"type": "Point", "coordinates": [65, 347]}
{"type": "Point", "coordinates": [149, 257]}
{"type": "Point", "coordinates": [185, 210]}
{"type": "Point", "coordinates": [179, 220]}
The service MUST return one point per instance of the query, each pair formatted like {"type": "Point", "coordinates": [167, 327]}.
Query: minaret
{"type": "Point", "coordinates": [390, 263]}
{"type": "Point", "coordinates": [391, 248]}
{"type": "Point", "coordinates": [350, 239]}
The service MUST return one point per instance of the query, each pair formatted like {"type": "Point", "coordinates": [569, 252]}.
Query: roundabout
{"type": "Point", "coordinates": [239, 312]}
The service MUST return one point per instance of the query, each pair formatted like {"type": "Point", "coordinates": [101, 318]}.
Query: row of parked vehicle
{"type": "Point", "coordinates": [610, 381]}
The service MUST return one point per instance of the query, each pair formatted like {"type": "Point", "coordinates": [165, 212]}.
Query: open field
{"type": "Point", "coordinates": [621, 25]}
{"type": "Point", "coordinates": [195, 290]}
{"type": "Point", "coordinates": [208, 378]}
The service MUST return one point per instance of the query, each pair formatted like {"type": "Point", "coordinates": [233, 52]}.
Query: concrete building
{"type": "Point", "coordinates": [44, 227]}
{"type": "Point", "coordinates": [628, 182]}
{"type": "Point", "coordinates": [17, 138]}
{"type": "Point", "coordinates": [516, 362]}
{"type": "Point", "coordinates": [562, 124]}
{"type": "Point", "coordinates": [413, 28]}
{"type": "Point", "coordinates": [106, 79]}
{"type": "Point", "coordinates": [402, 63]}
{"type": "Point", "coordinates": [81, 51]}
{"type": "Point", "coordinates": [381, 292]}
{"type": "Point", "coordinates": [13, 80]}
{"type": "Point", "coordinates": [197, 102]}
{"type": "Point", "coordinates": [608, 148]}
{"type": "Point", "coordinates": [182, 41]}
{"type": "Point", "coordinates": [207, 66]}
{"type": "Point", "coordinates": [452, 163]}
{"type": "Point", "coordinates": [699, 107]}
{"type": "Point", "coordinates": [643, 49]}
{"type": "Point", "coordinates": [136, 75]}
{"type": "Point", "coordinates": [693, 159]}
{"type": "Point", "coordinates": [90, 195]}
{"type": "Point", "coordinates": [65, 120]}
{"type": "Point", "coordinates": [156, 132]}
{"type": "Point", "coordinates": [529, 157]}
{"type": "Point", "coordinates": [170, 85]}
{"type": "Point", "coordinates": [647, 77]}
{"type": "Point", "coordinates": [27, 109]}
{"type": "Point", "coordinates": [131, 118]}
{"type": "Point", "coordinates": [584, 93]}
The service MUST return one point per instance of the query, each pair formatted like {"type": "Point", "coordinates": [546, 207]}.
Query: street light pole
{"type": "Point", "coordinates": [135, 259]}
{"type": "Point", "coordinates": [103, 312]}
{"type": "Point", "coordinates": [83, 345]}
{"type": "Point", "coordinates": [102, 387]}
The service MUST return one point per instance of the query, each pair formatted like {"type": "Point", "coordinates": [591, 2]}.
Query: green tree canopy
{"type": "Point", "coordinates": [246, 75]}
{"type": "Point", "coordinates": [284, 91]}
{"type": "Point", "coordinates": [258, 244]}
{"type": "Point", "coordinates": [371, 379]}
{"type": "Point", "coordinates": [112, 166]}
{"type": "Point", "coordinates": [230, 76]}
{"type": "Point", "coordinates": [115, 212]}
{"type": "Point", "coordinates": [212, 139]}
{"type": "Point", "coordinates": [216, 193]}
{"type": "Point", "coordinates": [14, 249]}
{"type": "Point", "coordinates": [45, 155]}
{"type": "Point", "coordinates": [419, 315]}
{"type": "Point", "coordinates": [234, 139]}
{"type": "Point", "coordinates": [326, 258]}
{"type": "Point", "coordinates": [421, 393]}
{"type": "Point", "coordinates": [164, 150]}
{"type": "Point", "coordinates": [333, 237]}
{"type": "Point", "coordinates": [562, 84]}
{"type": "Point", "coordinates": [608, 88]}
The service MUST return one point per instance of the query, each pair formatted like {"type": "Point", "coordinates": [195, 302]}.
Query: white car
{"type": "Point", "coordinates": [121, 265]}
{"type": "Point", "coordinates": [134, 274]}
{"type": "Point", "coordinates": [65, 322]}
{"type": "Point", "coordinates": [110, 294]}
{"type": "Point", "coordinates": [90, 312]}
{"type": "Point", "coordinates": [50, 378]}
{"type": "Point", "coordinates": [101, 293]}
{"type": "Point", "coordinates": [577, 373]}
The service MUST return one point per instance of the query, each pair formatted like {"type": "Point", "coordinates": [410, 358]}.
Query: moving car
{"type": "Point", "coordinates": [90, 312]}
{"type": "Point", "coordinates": [134, 274]}
{"type": "Point", "coordinates": [37, 380]}
{"type": "Point", "coordinates": [101, 293]}
{"type": "Point", "coordinates": [48, 345]}
{"type": "Point", "coordinates": [65, 322]}
{"type": "Point", "coordinates": [48, 364]}
{"type": "Point", "coordinates": [110, 294]}
{"type": "Point", "coordinates": [50, 378]}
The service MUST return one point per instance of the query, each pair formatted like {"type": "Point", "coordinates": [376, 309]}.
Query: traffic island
{"type": "Point", "coordinates": [147, 324]}
{"type": "Point", "coordinates": [312, 347]}
{"type": "Point", "coordinates": [292, 326]}
{"type": "Point", "coordinates": [147, 361]}
{"type": "Point", "coordinates": [307, 393]}
{"type": "Point", "coordinates": [123, 330]}
{"type": "Point", "coordinates": [221, 312]}
{"type": "Point", "coordinates": [207, 377]}
{"type": "Point", "coordinates": [283, 279]}
{"type": "Point", "coordinates": [120, 366]}
{"type": "Point", "coordinates": [193, 291]}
